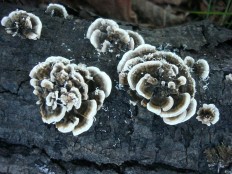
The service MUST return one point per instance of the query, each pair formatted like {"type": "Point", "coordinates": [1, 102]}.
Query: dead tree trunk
{"type": "Point", "coordinates": [123, 138]}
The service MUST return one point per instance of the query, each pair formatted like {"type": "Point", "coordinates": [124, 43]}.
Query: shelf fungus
{"type": "Point", "coordinates": [69, 95]}
{"type": "Point", "coordinates": [200, 67]}
{"type": "Point", "coordinates": [105, 35]}
{"type": "Point", "coordinates": [57, 10]}
{"type": "Point", "coordinates": [159, 81]}
{"type": "Point", "coordinates": [189, 61]}
{"type": "Point", "coordinates": [208, 114]}
{"type": "Point", "coordinates": [228, 78]}
{"type": "Point", "coordinates": [21, 23]}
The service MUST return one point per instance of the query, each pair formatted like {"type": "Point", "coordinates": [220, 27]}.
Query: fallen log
{"type": "Point", "coordinates": [123, 136]}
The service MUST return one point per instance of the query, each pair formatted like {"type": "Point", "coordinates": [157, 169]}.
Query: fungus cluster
{"type": "Point", "coordinates": [69, 94]}
{"type": "Point", "coordinates": [159, 81]}
{"type": "Point", "coordinates": [23, 24]}
{"type": "Point", "coordinates": [208, 114]}
{"type": "Point", "coordinates": [57, 10]}
{"type": "Point", "coordinates": [105, 35]}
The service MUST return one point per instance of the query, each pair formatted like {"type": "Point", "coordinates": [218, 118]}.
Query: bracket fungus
{"type": "Point", "coordinates": [201, 67]}
{"type": "Point", "coordinates": [105, 35]}
{"type": "Point", "coordinates": [23, 24]}
{"type": "Point", "coordinates": [208, 114]}
{"type": "Point", "coordinates": [69, 94]}
{"type": "Point", "coordinates": [159, 81]}
{"type": "Point", "coordinates": [57, 10]}
{"type": "Point", "coordinates": [189, 61]}
{"type": "Point", "coordinates": [229, 78]}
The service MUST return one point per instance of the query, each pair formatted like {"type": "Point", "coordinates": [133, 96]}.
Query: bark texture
{"type": "Point", "coordinates": [124, 138]}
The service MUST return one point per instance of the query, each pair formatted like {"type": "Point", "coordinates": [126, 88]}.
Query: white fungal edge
{"type": "Point", "coordinates": [88, 120]}
{"type": "Point", "coordinates": [139, 86]}
{"type": "Point", "coordinates": [56, 59]}
{"type": "Point", "coordinates": [11, 15]}
{"type": "Point", "coordinates": [130, 63]}
{"type": "Point", "coordinates": [173, 55]}
{"type": "Point", "coordinates": [102, 97]}
{"type": "Point", "coordinates": [94, 39]}
{"type": "Point", "coordinates": [98, 23]}
{"type": "Point", "coordinates": [189, 61]}
{"type": "Point", "coordinates": [175, 120]}
{"type": "Point", "coordinates": [105, 79]}
{"type": "Point", "coordinates": [46, 83]}
{"type": "Point", "coordinates": [130, 54]}
{"type": "Point", "coordinates": [59, 7]}
{"type": "Point", "coordinates": [37, 27]}
{"type": "Point", "coordinates": [181, 109]}
{"type": "Point", "coordinates": [4, 20]}
{"type": "Point", "coordinates": [204, 64]}
{"type": "Point", "coordinates": [169, 104]}
{"type": "Point", "coordinates": [171, 85]}
{"type": "Point", "coordinates": [69, 127]}
{"type": "Point", "coordinates": [182, 80]}
{"type": "Point", "coordinates": [106, 44]}
{"type": "Point", "coordinates": [157, 109]}
{"type": "Point", "coordinates": [215, 111]}
{"type": "Point", "coordinates": [123, 35]}
{"type": "Point", "coordinates": [137, 35]}
{"type": "Point", "coordinates": [34, 82]}
{"type": "Point", "coordinates": [229, 78]}
{"type": "Point", "coordinates": [191, 110]}
{"type": "Point", "coordinates": [131, 72]}
{"type": "Point", "coordinates": [34, 70]}
{"type": "Point", "coordinates": [55, 118]}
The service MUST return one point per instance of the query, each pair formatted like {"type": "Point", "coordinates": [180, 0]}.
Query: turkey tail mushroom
{"type": "Point", "coordinates": [21, 23]}
{"type": "Point", "coordinates": [105, 35]}
{"type": "Point", "coordinates": [69, 94]}
{"type": "Point", "coordinates": [159, 81]}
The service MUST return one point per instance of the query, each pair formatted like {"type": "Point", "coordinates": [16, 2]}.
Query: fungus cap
{"type": "Point", "coordinates": [175, 120]}
{"type": "Point", "coordinates": [24, 24]}
{"type": "Point", "coordinates": [189, 61]}
{"type": "Point", "coordinates": [201, 68]}
{"type": "Point", "coordinates": [138, 70]}
{"type": "Point", "coordinates": [88, 111]}
{"type": "Point", "coordinates": [105, 35]}
{"type": "Point", "coordinates": [136, 37]}
{"type": "Point", "coordinates": [229, 78]}
{"type": "Point", "coordinates": [100, 23]}
{"type": "Point", "coordinates": [101, 79]}
{"type": "Point", "coordinates": [67, 125]}
{"type": "Point", "coordinates": [208, 114]}
{"type": "Point", "coordinates": [57, 9]}
{"type": "Point", "coordinates": [140, 50]}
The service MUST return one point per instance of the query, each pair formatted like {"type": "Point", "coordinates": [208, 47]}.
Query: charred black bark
{"type": "Point", "coordinates": [124, 138]}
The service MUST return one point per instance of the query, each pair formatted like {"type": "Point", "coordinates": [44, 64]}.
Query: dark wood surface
{"type": "Point", "coordinates": [124, 138]}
